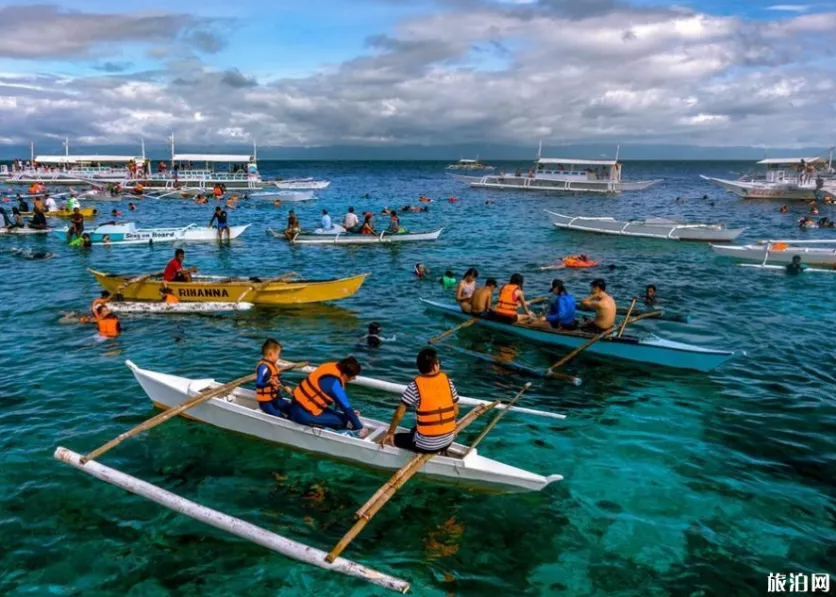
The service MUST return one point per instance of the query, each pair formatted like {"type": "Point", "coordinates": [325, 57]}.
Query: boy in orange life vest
{"type": "Point", "coordinates": [436, 407]}
{"type": "Point", "coordinates": [511, 298]}
{"type": "Point", "coordinates": [267, 382]}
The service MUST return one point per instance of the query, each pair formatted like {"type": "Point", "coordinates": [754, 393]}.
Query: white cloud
{"type": "Point", "coordinates": [790, 7]}
{"type": "Point", "coordinates": [609, 72]}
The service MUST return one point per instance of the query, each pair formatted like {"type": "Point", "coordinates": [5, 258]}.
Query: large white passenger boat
{"type": "Point", "coordinates": [562, 175]}
{"type": "Point", "coordinates": [183, 170]}
{"type": "Point", "coordinates": [802, 179]}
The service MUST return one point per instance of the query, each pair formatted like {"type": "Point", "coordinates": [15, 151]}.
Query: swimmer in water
{"type": "Point", "coordinates": [73, 317]}
{"type": "Point", "coordinates": [131, 207]}
{"type": "Point", "coordinates": [421, 271]}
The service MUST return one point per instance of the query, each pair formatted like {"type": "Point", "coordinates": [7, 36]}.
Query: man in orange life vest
{"type": "Point", "coordinates": [511, 298]}
{"type": "Point", "coordinates": [268, 383]}
{"type": "Point", "coordinates": [435, 400]}
{"type": "Point", "coordinates": [325, 386]}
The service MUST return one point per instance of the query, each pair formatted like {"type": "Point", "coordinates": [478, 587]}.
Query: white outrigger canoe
{"type": "Point", "coordinates": [161, 307]}
{"type": "Point", "coordinates": [650, 228]}
{"type": "Point", "coordinates": [301, 184]}
{"type": "Point", "coordinates": [352, 238]}
{"type": "Point", "coordinates": [286, 196]}
{"type": "Point", "coordinates": [25, 231]}
{"type": "Point", "coordinates": [238, 411]}
{"type": "Point", "coordinates": [650, 350]}
{"type": "Point", "coordinates": [782, 251]}
{"type": "Point", "coordinates": [129, 234]}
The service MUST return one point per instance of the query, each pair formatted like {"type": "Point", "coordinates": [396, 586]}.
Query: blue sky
{"type": "Point", "coordinates": [389, 72]}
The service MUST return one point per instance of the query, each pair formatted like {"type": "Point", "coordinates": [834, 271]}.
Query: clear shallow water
{"type": "Point", "coordinates": [677, 483]}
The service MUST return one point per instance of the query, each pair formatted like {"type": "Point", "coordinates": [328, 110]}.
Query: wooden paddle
{"type": "Point", "coordinates": [627, 317]}
{"type": "Point", "coordinates": [385, 493]}
{"type": "Point", "coordinates": [174, 411]}
{"type": "Point", "coordinates": [461, 326]}
{"type": "Point", "coordinates": [496, 419]}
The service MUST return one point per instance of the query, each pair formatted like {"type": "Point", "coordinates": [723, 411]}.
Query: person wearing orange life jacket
{"type": "Point", "coordinates": [168, 296]}
{"type": "Point", "coordinates": [268, 383]}
{"type": "Point", "coordinates": [511, 298]}
{"type": "Point", "coordinates": [313, 397]}
{"type": "Point", "coordinates": [435, 400]}
{"type": "Point", "coordinates": [217, 192]}
{"type": "Point", "coordinates": [108, 323]}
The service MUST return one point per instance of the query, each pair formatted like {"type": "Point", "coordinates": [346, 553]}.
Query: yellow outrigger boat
{"type": "Point", "coordinates": [216, 289]}
{"type": "Point", "coordinates": [87, 212]}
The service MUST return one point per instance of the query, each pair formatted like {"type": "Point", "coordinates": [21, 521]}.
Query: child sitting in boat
{"type": "Point", "coordinates": [267, 381]}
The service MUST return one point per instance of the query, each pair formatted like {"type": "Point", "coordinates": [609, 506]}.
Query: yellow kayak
{"type": "Point", "coordinates": [87, 212]}
{"type": "Point", "coordinates": [223, 290]}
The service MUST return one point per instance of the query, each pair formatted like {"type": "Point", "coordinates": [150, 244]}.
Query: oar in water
{"type": "Point", "coordinates": [385, 493]}
{"type": "Point", "coordinates": [461, 326]}
{"type": "Point", "coordinates": [514, 366]}
{"type": "Point", "coordinates": [627, 317]}
{"type": "Point", "coordinates": [173, 412]}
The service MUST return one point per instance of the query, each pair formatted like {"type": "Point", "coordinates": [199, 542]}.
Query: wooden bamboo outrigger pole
{"type": "Point", "coordinates": [495, 420]}
{"type": "Point", "coordinates": [627, 317]}
{"type": "Point", "coordinates": [461, 326]}
{"type": "Point", "coordinates": [236, 526]}
{"type": "Point", "coordinates": [173, 412]}
{"type": "Point", "coordinates": [388, 489]}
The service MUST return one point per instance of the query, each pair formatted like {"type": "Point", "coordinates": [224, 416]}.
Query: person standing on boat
{"type": "Point", "coordinates": [76, 225]}
{"type": "Point", "coordinates": [603, 305]}
{"type": "Point", "coordinates": [223, 227]}
{"type": "Point", "coordinates": [465, 289]}
{"type": "Point", "coordinates": [292, 229]}
{"type": "Point", "coordinates": [350, 221]}
{"type": "Point", "coordinates": [482, 299]}
{"type": "Point", "coordinates": [435, 400]}
{"type": "Point", "coordinates": [561, 314]}
{"type": "Point", "coordinates": [326, 221]}
{"type": "Point", "coordinates": [313, 397]}
{"type": "Point", "coordinates": [267, 381]}
{"type": "Point", "coordinates": [511, 298]}
{"type": "Point", "coordinates": [50, 204]}
{"type": "Point", "coordinates": [174, 271]}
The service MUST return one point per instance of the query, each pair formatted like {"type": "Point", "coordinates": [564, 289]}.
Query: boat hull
{"type": "Point", "coordinates": [239, 412]}
{"type": "Point", "coordinates": [763, 190]}
{"type": "Point", "coordinates": [525, 183]}
{"type": "Point", "coordinates": [87, 212]}
{"type": "Point", "coordinates": [360, 239]}
{"type": "Point", "coordinates": [809, 255]}
{"type": "Point", "coordinates": [127, 235]}
{"type": "Point", "coordinates": [646, 229]}
{"type": "Point", "coordinates": [175, 308]}
{"type": "Point", "coordinates": [286, 196]}
{"type": "Point", "coordinates": [23, 231]}
{"type": "Point", "coordinates": [234, 290]}
{"type": "Point", "coordinates": [302, 184]}
{"type": "Point", "coordinates": [654, 351]}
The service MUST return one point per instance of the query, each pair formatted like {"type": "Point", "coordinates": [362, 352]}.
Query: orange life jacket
{"type": "Point", "coordinates": [308, 393]}
{"type": "Point", "coordinates": [218, 192]}
{"type": "Point", "coordinates": [269, 392]}
{"type": "Point", "coordinates": [171, 299]}
{"type": "Point", "coordinates": [108, 326]}
{"type": "Point", "coordinates": [436, 411]}
{"type": "Point", "coordinates": [507, 303]}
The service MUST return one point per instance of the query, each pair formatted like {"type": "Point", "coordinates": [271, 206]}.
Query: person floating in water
{"type": "Point", "coordinates": [326, 385]}
{"type": "Point", "coordinates": [650, 295]}
{"type": "Point", "coordinates": [107, 322]}
{"type": "Point", "coordinates": [448, 280]}
{"type": "Point", "coordinates": [435, 400]}
{"type": "Point", "coordinates": [784, 209]}
{"type": "Point", "coordinates": [421, 271]}
{"type": "Point", "coordinates": [268, 384]}
{"type": "Point", "coordinates": [373, 339]}
{"type": "Point", "coordinates": [795, 267]}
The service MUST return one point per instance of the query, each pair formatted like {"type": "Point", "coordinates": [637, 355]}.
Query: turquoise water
{"type": "Point", "coordinates": [677, 483]}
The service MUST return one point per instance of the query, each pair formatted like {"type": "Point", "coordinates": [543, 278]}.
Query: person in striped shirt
{"type": "Point", "coordinates": [435, 400]}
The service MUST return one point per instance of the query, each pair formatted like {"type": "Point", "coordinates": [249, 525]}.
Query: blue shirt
{"type": "Point", "coordinates": [326, 222]}
{"type": "Point", "coordinates": [562, 310]}
{"type": "Point", "coordinates": [263, 376]}
{"type": "Point", "coordinates": [333, 386]}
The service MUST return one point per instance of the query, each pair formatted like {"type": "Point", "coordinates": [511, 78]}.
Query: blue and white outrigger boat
{"type": "Point", "coordinates": [650, 350]}
{"type": "Point", "coordinates": [129, 234]}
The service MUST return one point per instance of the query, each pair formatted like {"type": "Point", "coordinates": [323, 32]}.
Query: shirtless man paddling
{"type": "Point", "coordinates": [604, 307]}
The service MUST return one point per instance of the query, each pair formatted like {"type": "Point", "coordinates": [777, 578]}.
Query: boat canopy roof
{"type": "Point", "coordinates": [80, 159]}
{"type": "Point", "coordinates": [773, 161]}
{"type": "Point", "coordinates": [577, 162]}
{"type": "Point", "coordinates": [212, 157]}
{"type": "Point", "coordinates": [466, 161]}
